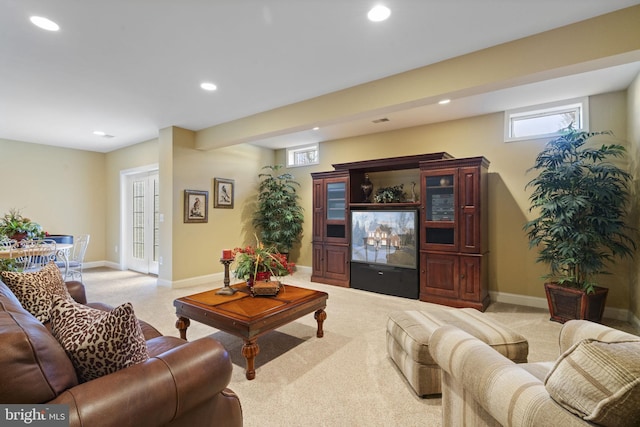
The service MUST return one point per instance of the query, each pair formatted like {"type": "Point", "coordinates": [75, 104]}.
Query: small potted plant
{"type": "Point", "coordinates": [393, 194]}
{"type": "Point", "coordinates": [17, 227]}
{"type": "Point", "coordinates": [260, 262]}
{"type": "Point", "coordinates": [580, 199]}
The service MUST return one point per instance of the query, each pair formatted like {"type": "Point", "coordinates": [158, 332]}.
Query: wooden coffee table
{"type": "Point", "coordinates": [250, 317]}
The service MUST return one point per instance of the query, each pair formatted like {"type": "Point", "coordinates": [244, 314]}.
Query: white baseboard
{"type": "Point", "coordinates": [634, 320]}
{"type": "Point", "coordinates": [196, 281]}
{"type": "Point", "coordinates": [517, 299]}
{"type": "Point", "coordinates": [304, 269]}
{"type": "Point", "coordinates": [528, 301]}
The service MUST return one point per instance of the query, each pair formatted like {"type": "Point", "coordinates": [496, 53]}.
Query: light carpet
{"type": "Point", "coordinates": [342, 379]}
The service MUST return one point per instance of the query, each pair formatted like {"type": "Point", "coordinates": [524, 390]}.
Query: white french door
{"type": "Point", "coordinates": [141, 228]}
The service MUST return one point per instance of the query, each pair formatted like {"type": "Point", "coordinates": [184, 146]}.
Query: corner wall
{"type": "Point", "coordinates": [61, 189]}
{"type": "Point", "coordinates": [197, 248]}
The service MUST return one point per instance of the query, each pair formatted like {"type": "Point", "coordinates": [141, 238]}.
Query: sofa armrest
{"type": "Point", "coordinates": [482, 387]}
{"type": "Point", "coordinates": [575, 331]}
{"type": "Point", "coordinates": [154, 392]}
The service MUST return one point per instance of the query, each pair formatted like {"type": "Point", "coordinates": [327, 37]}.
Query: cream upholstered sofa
{"type": "Point", "coordinates": [595, 381]}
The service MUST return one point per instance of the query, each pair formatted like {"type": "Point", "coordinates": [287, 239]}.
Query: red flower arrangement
{"type": "Point", "coordinates": [252, 260]}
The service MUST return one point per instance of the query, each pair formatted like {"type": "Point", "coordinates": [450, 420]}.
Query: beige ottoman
{"type": "Point", "coordinates": [408, 334]}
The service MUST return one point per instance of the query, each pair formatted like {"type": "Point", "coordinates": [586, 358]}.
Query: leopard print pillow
{"type": "Point", "coordinates": [98, 342]}
{"type": "Point", "coordinates": [36, 290]}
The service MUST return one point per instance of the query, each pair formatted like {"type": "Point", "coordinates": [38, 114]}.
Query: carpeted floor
{"type": "Point", "coordinates": [342, 379]}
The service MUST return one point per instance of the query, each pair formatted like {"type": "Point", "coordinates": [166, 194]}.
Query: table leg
{"type": "Point", "coordinates": [250, 350]}
{"type": "Point", "coordinates": [320, 316]}
{"type": "Point", "coordinates": [182, 324]}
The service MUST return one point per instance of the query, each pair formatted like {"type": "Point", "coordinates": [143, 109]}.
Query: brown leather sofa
{"type": "Point", "coordinates": [182, 384]}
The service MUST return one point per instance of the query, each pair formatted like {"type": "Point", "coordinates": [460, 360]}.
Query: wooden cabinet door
{"type": "Point", "coordinates": [469, 200]}
{"type": "Point", "coordinates": [439, 275]}
{"type": "Point", "coordinates": [336, 262]}
{"type": "Point", "coordinates": [317, 269]}
{"type": "Point", "coordinates": [318, 210]}
{"type": "Point", "coordinates": [470, 278]}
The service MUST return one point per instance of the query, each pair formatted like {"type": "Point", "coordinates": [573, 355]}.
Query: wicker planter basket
{"type": "Point", "coordinates": [265, 288]}
{"type": "Point", "coordinates": [569, 303]}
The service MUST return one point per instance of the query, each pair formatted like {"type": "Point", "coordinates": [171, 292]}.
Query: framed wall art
{"type": "Point", "coordinates": [223, 193]}
{"type": "Point", "coordinates": [196, 206]}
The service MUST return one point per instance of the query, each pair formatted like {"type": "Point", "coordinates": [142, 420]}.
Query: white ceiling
{"type": "Point", "coordinates": [132, 67]}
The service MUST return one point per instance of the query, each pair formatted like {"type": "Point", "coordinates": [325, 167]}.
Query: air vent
{"type": "Point", "coordinates": [382, 120]}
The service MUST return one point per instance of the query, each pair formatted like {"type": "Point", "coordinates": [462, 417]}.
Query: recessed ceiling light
{"type": "Point", "coordinates": [379, 13]}
{"type": "Point", "coordinates": [208, 86]}
{"type": "Point", "coordinates": [44, 23]}
{"type": "Point", "coordinates": [102, 134]}
{"type": "Point", "coordinates": [316, 128]}
{"type": "Point", "coordinates": [444, 101]}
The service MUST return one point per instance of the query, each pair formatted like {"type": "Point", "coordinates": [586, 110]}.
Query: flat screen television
{"type": "Point", "coordinates": [384, 237]}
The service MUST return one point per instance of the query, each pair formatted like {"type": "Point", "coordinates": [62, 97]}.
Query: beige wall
{"type": "Point", "coordinates": [197, 247]}
{"type": "Point", "coordinates": [633, 114]}
{"type": "Point", "coordinates": [512, 267]}
{"type": "Point", "coordinates": [116, 162]}
{"type": "Point", "coordinates": [189, 250]}
{"type": "Point", "coordinates": [60, 188]}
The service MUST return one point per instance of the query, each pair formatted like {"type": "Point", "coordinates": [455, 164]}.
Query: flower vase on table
{"type": "Point", "coordinates": [259, 263]}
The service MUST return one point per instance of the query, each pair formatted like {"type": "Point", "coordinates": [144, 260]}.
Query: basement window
{"type": "Point", "coordinates": [546, 120]}
{"type": "Point", "coordinates": [303, 155]}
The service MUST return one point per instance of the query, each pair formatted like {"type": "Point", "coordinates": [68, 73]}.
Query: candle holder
{"type": "Point", "coordinates": [227, 290]}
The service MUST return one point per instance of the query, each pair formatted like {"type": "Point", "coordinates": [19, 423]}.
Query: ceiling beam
{"type": "Point", "coordinates": [606, 40]}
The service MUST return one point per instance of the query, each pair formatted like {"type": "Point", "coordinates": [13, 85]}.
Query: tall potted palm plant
{"type": "Point", "coordinates": [580, 199]}
{"type": "Point", "coordinates": [278, 216]}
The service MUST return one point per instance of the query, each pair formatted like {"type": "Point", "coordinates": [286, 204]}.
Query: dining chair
{"type": "Point", "coordinates": [8, 245]}
{"type": "Point", "coordinates": [76, 257]}
{"type": "Point", "coordinates": [36, 254]}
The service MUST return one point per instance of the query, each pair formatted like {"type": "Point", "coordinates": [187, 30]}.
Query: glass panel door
{"type": "Point", "coordinates": [440, 209]}
{"type": "Point", "coordinates": [143, 228]}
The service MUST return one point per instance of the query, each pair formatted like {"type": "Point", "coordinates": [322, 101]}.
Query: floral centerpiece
{"type": "Point", "coordinates": [15, 226]}
{"type": "Point", "coordinates": [260, 262]}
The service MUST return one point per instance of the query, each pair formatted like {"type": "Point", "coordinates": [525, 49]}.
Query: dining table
{"type": "Point", "coordinates": [62, 252]}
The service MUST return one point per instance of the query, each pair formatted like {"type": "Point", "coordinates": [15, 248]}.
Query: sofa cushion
{"type": "Point", "coordinates": [36, 290]}
{"type": "Point", "coordinates": [599, 381]}
{"type": "Point", "coordinates": [98, 342]}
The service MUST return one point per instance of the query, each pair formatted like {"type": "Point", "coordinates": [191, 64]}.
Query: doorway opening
{"type": "Point", "coordinates": [140, 221]}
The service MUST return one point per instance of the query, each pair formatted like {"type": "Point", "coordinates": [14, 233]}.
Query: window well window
{"type": "Point", "coordinates": [546, 120]}
{"type": "Point", "coordinates": [303, 155]}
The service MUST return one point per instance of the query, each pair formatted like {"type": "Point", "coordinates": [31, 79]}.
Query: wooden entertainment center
{"type": "Point", "coordinates": [450, 232]}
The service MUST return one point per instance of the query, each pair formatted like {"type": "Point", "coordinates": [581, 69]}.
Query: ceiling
{"type": "Point", "coordinates": [130, 68]}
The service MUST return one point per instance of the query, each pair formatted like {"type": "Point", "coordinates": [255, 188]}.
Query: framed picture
{"type": "Point", "coordinates": [196, 206]}
{"type": "Point", "coordinates": [223, 193]}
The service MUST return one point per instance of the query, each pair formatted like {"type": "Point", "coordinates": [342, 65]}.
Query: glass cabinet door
{"type": "Point", "coordinates": [336, 201]}
{"type": "Point", "coordinates": [440, 198]}
{"type": "Point", "coordinates": [440, 209]}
